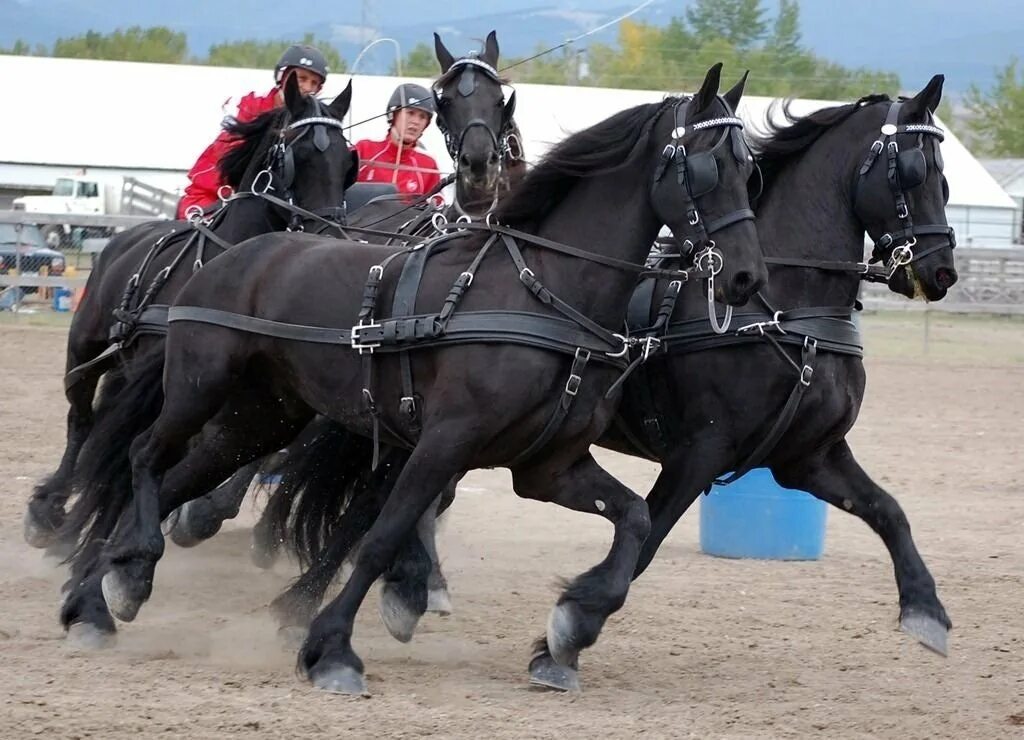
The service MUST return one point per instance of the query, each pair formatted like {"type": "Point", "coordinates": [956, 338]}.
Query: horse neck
{"type": "Point", "coordinates": [608, 215]}
{"type": "Point", "coordinates": [808, 213]}
{"type": "Point", "coordinates": [247, 217]}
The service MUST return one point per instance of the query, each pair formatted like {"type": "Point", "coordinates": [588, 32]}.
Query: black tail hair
{"type": "Point", "coordinates": [103, 478]}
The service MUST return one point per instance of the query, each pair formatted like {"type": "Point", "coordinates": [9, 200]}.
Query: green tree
{"type": "Point", "coordinates": [22, 49]}
{"type": "Point", "coordinates": [997, 115]}
{"type": "Point", "coordinates": [420, 62]}
{"type": "Point", "coordinates": [257, 54]}
{"type": "Point", "coordinates": [135, 44]}
{"type": "Point", "coordinates": [785, 37]}
{"type": "Point", "coordinates": [740, 22]}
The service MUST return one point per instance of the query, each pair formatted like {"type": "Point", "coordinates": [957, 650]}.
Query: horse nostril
{"type": "Point", "coordinates": [464, 161]}
{"type": "Point", "coordinates": [743, 280]}
{"type": "Point", "coordinates": [946, 277]}
{"type": "Point", "coordinates": [492, 159]}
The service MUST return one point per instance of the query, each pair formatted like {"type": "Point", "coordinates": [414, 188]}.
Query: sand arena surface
{"type": "Point", "coordinates": [703, 648]}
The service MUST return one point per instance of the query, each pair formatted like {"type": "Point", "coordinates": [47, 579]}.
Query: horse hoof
{"type": "Point", "coordinates": [340, 680]}
{"type": "Point", "coordinates": [439, 602]}
{"type": "Point", "coordinates": [546, 673]}
{"type": "Point", "coordinates": [292, 637]}
{"type": "Point", "coordinates": [118, 596]}
{"type": "Point", "coordinates": [396, 615]}
{"type": "Point", "coordinates": [168, 525]}
{"type": "Point", "coordinates": [562, 637]}
{"type": "Point", "coordinates": [37, 535]}
{"type": "Point", "coordinates": [927, 630]}
{"type": "Point", "coordinates": [90, 637]}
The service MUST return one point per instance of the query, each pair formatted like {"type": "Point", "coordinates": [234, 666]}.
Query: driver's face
{"type": "Point", "coordinates": [408, 125]}
{"type": "Point", "coordinates": [309, 82]}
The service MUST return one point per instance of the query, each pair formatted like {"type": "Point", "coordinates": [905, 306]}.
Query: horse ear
{"type": "Point", "coordinates": [709, 90]}
{"type": "Point", "coordinates": [444, 57]}
{"type": "Point", "coordinates": [928, 99]}
{"type": "Point", "coordinates": [491, 49]}
{"type": "Point", "coordinates": [732, 97]}
{"type": "Point", "coordinates": [339, 106]}
{"type": "Point", "coordinates": [293, 100]}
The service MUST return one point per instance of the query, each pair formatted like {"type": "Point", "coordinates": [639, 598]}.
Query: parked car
{"type": "Point", "coordinates": [24, 248]}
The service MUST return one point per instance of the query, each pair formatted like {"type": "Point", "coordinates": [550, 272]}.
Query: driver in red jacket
{"type": "Point", "coordinates": [400, 158]}
{"type": "Point", "coordinates": [310, 69]}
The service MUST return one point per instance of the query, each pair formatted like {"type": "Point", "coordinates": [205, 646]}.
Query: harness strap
{"type": "Point", "coordinates": [785, 418]}
{"type": "Point", "coordinates": [542, 294]}
{"type": "Point", "coordinates": [572, 387]}
{"type": "Point", "coordinates": [394, 335]}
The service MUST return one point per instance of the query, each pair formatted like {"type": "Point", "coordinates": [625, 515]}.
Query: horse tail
{"type": "Point", "coordinates": [103, 478]}
{"type": "Point", "coordinates": [318, 477]}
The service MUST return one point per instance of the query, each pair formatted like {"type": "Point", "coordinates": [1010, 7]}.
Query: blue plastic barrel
{"type": "Point", "coordinates": [755, 517]}
{"type": "Point", "coordinates": [61, 299]}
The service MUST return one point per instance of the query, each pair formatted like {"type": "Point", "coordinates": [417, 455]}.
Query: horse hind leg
{"type": "Point", "coordinates": [589, 599]}
{"type": "Point", "coordinates": [837, 478]}
{"type": "Point", "coordinates": [200, 519]}
{"type": "Point", "coordinates": [327, 657]}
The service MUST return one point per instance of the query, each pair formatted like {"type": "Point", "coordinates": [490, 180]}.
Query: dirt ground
{"type": "Point", "coordinates": [704, 647]}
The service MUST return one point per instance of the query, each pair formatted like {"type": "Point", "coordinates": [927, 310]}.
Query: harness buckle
{"type": "Point", "coordinates": [877, 146]}
{"type": "Point", "coordinates": [469, 278]}
{"type": "Point", "coordinates": [902, 211]}
{"type": "Point", "coordinates": [355, 339]}
{"type": "Point", "coordinates": [806, 373]}
{"type": "Point", "coordinates": [377, 271]}
{"type": "Point", "coordinates": [407, 405]}
{"type": "Point", "coordinates": [651, 345]}
{"type": "Point", "coordinates": [527, 274]}
{"type": "Point", "coordinates": [693, 217]}
{"type": "Point", "coordinates": [572, 385]}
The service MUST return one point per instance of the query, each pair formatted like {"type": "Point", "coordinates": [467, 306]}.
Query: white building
{"type": "Point", "coordinates": [151, 121]}
{"type": "Point", "coordinates": [1009, 173]}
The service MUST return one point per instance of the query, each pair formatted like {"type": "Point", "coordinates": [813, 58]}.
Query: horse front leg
{"type": "Point", "coordinates": [837, 478]}
{"type": "Point", "coordinates": [590, 598]}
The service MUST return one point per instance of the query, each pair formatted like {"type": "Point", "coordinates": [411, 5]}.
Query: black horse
{"type": "Point", "coordinates": [294, 153]}
{"type": "Point", "coordinates": [480, 135]}
{"type": "Point", "coordinates": [249, 358]}
{"type": "Point", "coordinates": [782, 391]}
{"type": "Point", "coordinates": [484, 142]}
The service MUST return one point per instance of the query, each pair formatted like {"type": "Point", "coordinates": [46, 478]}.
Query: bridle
{"type": "Point", "coordinates": [905, 170]}
{"type": "Point", "coordinates": [506, 141]}
{"type": "Point", "coordinates": [279, 173]}
{"type": "Point", "coordinates": [697, 175]}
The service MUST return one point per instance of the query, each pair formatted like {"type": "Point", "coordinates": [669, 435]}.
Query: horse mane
{"type": "Point", "coordinates": [605, 147]}
{"type": "Point", "coordinates": [247, 138]}
{"type": "Point", "coordinates": [784, 141]}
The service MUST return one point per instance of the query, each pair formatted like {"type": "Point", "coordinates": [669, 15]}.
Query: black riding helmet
{"type": "Point", "coordinates": [410, 95]}
{"type": "Point", "coordinates": [302, 56]}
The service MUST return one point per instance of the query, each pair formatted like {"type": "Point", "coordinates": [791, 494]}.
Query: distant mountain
{"type": "Point", "coordinates": [916, 38]}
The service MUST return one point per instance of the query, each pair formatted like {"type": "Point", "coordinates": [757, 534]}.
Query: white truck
{"type": "Point", "coordinates": [80, 194]}
{"type": "Point", "coordinates": [90, 195]}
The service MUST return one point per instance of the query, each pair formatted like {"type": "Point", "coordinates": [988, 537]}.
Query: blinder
{"type": "Point", "coordinates": [702, 173]}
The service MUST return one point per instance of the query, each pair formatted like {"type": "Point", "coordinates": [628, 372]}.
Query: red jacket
{"type": "Point", "coordinates": [415, 174]}
{"type": "Point", "coordinates": [204, 175]}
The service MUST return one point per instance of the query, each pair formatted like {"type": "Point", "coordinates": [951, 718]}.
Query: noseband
{"type": "Point", "coordinates": [904, 170]}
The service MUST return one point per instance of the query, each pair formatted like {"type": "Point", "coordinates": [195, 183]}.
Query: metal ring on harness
{"type": "Point", "coordinates": [902, 255]}
{"type": "Point", "coordinates": [626, 343]}
{"type": "Point", "coordinates": [225, 198]}
{"type": "Point", "coordinates": [194, 214]}
{"type": "Point", "coordinates": [256, 181]}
